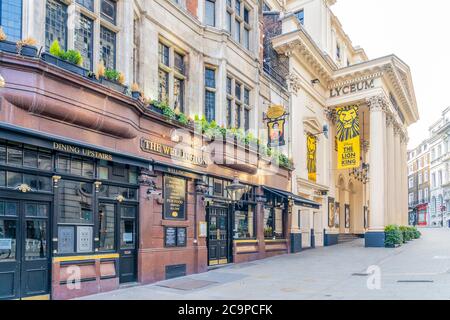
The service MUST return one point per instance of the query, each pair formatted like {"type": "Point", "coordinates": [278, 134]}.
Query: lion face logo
{"type": "Point", "coordinates": [348, 123]}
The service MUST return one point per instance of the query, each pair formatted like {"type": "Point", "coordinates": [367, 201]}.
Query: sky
{"type": "Point", "coordinates": [415, 31]}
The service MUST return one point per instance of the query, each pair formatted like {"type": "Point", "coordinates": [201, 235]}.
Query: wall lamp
{"type": "Point", "coordinates": [325, 131]}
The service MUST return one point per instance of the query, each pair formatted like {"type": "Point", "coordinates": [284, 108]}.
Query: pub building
{"type": "Point", "coordinates": [96, 187]}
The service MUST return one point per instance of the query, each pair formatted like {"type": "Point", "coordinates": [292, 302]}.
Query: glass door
{"type": "Point", "coordinates": [24, 248]}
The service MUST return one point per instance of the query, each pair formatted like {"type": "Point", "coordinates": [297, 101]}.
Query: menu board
{"type": "Point", "coordinates": [66, 239]}
{"type": "Point", "coordinates": [174, 198]}
{"type": "Point", "coordinates": [170, 237]}
{"type": "Point", "coordinates": [181, 237]}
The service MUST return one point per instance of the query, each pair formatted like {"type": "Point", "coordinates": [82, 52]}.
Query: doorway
{"type": "Point", "coordinates": [24, 248]}
{"type": "Point", "coordinates": [117, 229]}
{"type": "Point", "coordinates": [218, 236]}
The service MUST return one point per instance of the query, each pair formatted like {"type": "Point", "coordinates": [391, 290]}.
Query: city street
{"type": "Point", "coordinates": [417, 270]}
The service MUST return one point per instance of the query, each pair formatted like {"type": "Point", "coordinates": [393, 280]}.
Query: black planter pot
{"type": "Point", "coordinates": [113, 85]}
{"type": "Point", "coordinates": [29, 51]}
{"type": "Point", "coordinates": [136, 94]}
{"type": "Point", "coordinates": [49, 58]}
{"type": "Point", "coordinates": [8, 46]}
{"type": "Point", "coordinates": [155, 109]}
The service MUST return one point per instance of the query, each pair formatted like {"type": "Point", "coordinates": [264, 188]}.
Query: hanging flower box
{"type": "Point", "coordinates": [49, 58]}
{"type": "Point", "coordinates": [114, 85]}
{"type": "Point", "coordinates": [29, 51]}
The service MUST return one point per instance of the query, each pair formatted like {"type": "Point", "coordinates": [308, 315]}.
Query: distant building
{"type": "Point", "coordinates": [419, 184]}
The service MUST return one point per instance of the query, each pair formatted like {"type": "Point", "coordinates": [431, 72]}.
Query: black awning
{"type": "Point", "coordinates": [300, 201]}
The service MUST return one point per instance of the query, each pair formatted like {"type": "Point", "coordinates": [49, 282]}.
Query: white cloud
{"type": "Point", "coordinates": [417, 32]}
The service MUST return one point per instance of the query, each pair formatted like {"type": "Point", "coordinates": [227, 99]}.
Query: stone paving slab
{"type": "Point", "coordinates": [323, 274]}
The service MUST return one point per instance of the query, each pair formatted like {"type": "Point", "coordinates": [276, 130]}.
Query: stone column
{"type": "Point", "coordinates": [397, 178]}
{"type": "Point", "coordinates": [375, 236]}
{"type": "Point", "coordinates": [390, 211]}
{"type": "Point", "coordinates": [200, 243]}
{"type": "Point", "coordinates": [404, 187]}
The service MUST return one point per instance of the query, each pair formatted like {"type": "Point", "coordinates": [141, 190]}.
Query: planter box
{"type": "Point", "coordinates": [8, 46]}
{"type": "Point", "coordinates": [113, 85]}
{"type": "Point", "coordinates": [155, 109]}
{"type": "Point", "coordinates": [29, 51]}
{"type": "Point", "coordinates": [49, 58]}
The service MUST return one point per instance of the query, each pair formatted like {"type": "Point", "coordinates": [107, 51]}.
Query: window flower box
{"type": "Point", "coordinates": [29, 51]}
{"type": "Point", "coordinates": [136, 95]}
{"type": "Point", "coordinates": [114, 85]}
{"type": "Point", "coordinates": [8, 46]}
{"type": "Point", "coordinates": [49, 58]}
{"type": "Point", "coordinates": [155, 109]}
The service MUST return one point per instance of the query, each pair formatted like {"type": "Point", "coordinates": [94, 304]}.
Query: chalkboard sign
{"type": "Point", "coordinates": [181, 237]}
{"type": "Point", "coordinates": [170, 237]}
{"type": "Point", "coordinates": [174, 198]}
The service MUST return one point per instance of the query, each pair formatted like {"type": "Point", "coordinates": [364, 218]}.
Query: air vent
{"type": "Point", "coordinates": [175, 271]}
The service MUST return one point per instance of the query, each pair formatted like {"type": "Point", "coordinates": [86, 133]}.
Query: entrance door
{"type": "Point", "coordinates": [24, 248]}
{"type": "Point", "coordinates": [119, 219]}
{"type": "Point", "coordinates": [218, 226]}
{"type": "Point", "coordinates": [128, 254]}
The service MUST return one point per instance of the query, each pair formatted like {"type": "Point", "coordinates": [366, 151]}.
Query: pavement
{"type": "Point", "coordinates": [419, 270]}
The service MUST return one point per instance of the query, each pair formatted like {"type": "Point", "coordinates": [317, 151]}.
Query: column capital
{"type": "Point", "coordinates": [390, 120]}
{"type": "Point", "coordinates": [293, 82]}
{"type": "Point", "coordinates": [377, 103]}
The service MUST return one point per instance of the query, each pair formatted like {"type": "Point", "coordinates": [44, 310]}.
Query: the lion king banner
{"type": "Point", "coordinates": [348, 138]}
{"type": "Point", "coordinates": [311, 143]}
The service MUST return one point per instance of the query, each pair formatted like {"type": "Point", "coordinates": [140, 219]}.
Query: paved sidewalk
{"type": "Point", "coordinates": [419, 270]}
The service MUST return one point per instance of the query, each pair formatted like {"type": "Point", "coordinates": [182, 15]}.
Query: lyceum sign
{"type": "Point", "coordinates": [352, 88]}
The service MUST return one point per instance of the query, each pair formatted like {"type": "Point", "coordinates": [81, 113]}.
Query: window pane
{"type": "Point", "coordinates": [15, 156]}
{"type": "Point", "coordinates": [30, 158]}
{"type": "Point", "coordinates": [229, 113]}
{"type": "Point", "coordinates": [210, 78]}
{"type": "Point", "coordinates": [278, 222]}
{"type": "Point", "coordinates": [45, 161]}
{"type": "Point", "coordinates": [229, 85]}
{"type": "Point", "coordinates": [75, 167]}
{"type": "Point", "coordinates": [246, 119]}
{"type": "Point", "coordinates": [246, 96]}
{"type": "Point", "coordinates": [89, 4]}
{"type": "Point", "coordinates": [128, 234]}
{"type": "Point", "coordinates": [247, 39]}
{"type": "Point", "coordinates": [244, 223]}
{"type": "Point", "coordinates": [210, 13]}
{"type": "Point", "coordinates": [164, 54]}
{"type": "Point", "coordinates": [63, 164]}
{"type": "Point", "coordinates": [237, 91]}
{"type": "Point", "coordinates": [11, 18]}
{"type": "Point", "coordinates": [88, 169]}
{"type": "Point", "coordinates": [36, 240]}
{"type": "Point", "coordinates": [108, 47]}
{"type": "Point", "coordinates": [238, 115]}
{"type": "Point", "coordinates": [106, 222]}
{"type": "Point", "coordinates": [44, 184]}
{"type": "Point", "coordinates": [237, 30]}
{"type": "Point", "coordinates": [179, 62]}
{"type": "Point", "coordinates": [268, 222]}
{"type": "Point", "coordinates": [13, 179]}
{"type": "Point", "coordinates": [300, 16]}
{"type": "Point", "coordinates": [163, 86]}
{"type": "Point", "coordinates": [8, 232]}
{"type": "Point", "coordinates": [2, 154]}
{"type": "Point", "coordinates": [228, 22]}
{"type": "Point", "coordinates": [178, 92]}
{"type": "Point", "coordinates": [108, 10]}
{"type": "Point", "coordinates": [246, 15]}
{"type": "Point", "coordinates": [210, 105]}
{"type": "Point", "coordinates": [238, 7]}
{"type": "Point", "coordinates": [36, 210]}
{"type": "Point", "coordinates": [84, 39]}
{"type": "Point", "coordinates": [75, 202]}
{"type": "Point", "coordinates": [11, 209]}
{"type": "Point", "coordinates": [2, 178]}
{"type": "Point", "coordinates": [56, 24]}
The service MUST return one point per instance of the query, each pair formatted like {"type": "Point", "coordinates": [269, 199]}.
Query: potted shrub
{"type": "Point", "coordinates": [156, 106]}
{"type": "Point", "coordinates": [70, 60]}
{"type": "Point", "coordinates": [393, 236]}
{"type": "Point", "coordinates": [26, 47]}
{"type": "Point", "coordinates": [111, 78]}
{"type": "Point", "coordinates": [183, 119]}
{"type": "Point", "coordinates": [251, 142]}
{"type": "Point", "coordinates": [5, 45]}
{"type": "Point", "coordinates": [135, 91]}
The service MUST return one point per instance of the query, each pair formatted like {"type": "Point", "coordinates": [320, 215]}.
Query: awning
{"type": "Point", "coordinates": [300, 201]}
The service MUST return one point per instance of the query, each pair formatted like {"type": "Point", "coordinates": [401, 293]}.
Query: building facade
{"type": "Point", "coordinates": [333, 86]}
{"type": "Point", "coordinates": [191, 134]}
{"type": "Point", "coordinates": [419, 185]}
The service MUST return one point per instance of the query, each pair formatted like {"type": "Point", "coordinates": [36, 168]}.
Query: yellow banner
{"type": "Point", "coordinates": [348, 138]}
{"type": "Point", "coordinates": [311, 142]}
